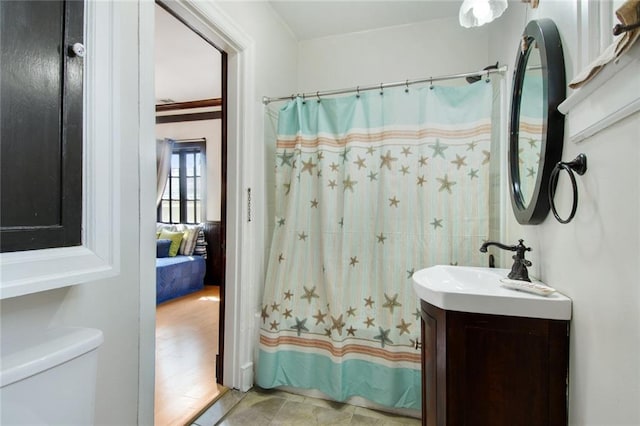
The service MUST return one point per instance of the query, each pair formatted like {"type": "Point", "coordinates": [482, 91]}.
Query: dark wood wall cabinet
{"type": "Point", "coordinates": [41, 124]}
{"type": "Point", "coordinates": [493, 370]}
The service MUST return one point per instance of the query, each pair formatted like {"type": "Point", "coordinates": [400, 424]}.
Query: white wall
{"type": "Point", "coordinates": [212, 131]}
{"type": "Point", "coordinates": [594, 259]}
{"type": "Point", "coordinates": [414, 51]}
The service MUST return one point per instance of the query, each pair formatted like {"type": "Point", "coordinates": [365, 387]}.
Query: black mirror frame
{"type": "Point", "coordinates": [546, 35]}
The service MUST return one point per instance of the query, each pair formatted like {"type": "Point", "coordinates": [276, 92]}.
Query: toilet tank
{"type": "Point", "coordinates": [49, 377]}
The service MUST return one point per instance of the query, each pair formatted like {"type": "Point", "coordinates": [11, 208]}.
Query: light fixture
{"type": "Point", "coordinates": [474, 13]}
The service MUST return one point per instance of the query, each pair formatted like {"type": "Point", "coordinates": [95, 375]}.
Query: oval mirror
{"type": "Point", "coordinates": [536, 126]}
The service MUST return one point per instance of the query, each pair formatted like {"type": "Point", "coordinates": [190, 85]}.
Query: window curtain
{"type": "Point", "coordinates": [164, 148]}
{"type": "Point", "coordinates": [369, 188]}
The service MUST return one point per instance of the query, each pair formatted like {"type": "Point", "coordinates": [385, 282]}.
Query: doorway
{"type": "Point", "coordinates": [190, 110]}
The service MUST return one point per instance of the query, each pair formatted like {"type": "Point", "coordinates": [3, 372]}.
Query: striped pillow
{"type": "Point", "coordinates": [189, 240]}
{"type": "Point", "coordinates": [201, 245]}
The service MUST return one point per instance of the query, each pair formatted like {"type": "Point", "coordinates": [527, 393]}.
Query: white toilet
{"type": "Point", "coordinates": [49, 378]}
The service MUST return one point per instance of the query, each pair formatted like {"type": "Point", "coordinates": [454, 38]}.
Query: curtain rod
{"type": "Point", "coordinates": [267, 100]}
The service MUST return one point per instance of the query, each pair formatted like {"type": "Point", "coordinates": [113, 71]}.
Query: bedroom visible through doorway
{"type": "Point", "coordinates": [190, 78]}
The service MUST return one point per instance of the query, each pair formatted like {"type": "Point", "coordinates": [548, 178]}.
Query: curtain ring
{"type": "Point", "coordinates": [358, 92]}
{"type": "Point", "coordinates": [381, 91]}
{"type": "Point", "coordinates": [318, 96]}
{"type": "Point", "coordinates": [430, 83]}
{"type": "Point", "coordinates": [578, 165]}
{"type": "Point", "coordinates": [406, 86]}
{"type": "Point", "coordinates": [488, 80]}
{"type": "Point", "coordinates": [304, 100]}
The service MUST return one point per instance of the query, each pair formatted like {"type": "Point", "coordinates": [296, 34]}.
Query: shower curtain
{"type": "Point", "coordinates": [369, 189]}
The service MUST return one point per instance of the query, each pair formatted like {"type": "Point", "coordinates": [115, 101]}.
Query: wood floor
{"type": "Point", "coordinates": [186, 346]}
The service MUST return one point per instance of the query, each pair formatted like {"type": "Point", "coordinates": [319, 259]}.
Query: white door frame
{"type": "Point", "coordinates": [210, 21]}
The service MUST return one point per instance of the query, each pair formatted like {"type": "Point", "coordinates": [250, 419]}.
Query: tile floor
{"type": "Point", "coordinates": [265, 407]}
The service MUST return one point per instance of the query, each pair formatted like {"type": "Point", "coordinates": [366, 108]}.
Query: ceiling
{"type": "Point", "coordinates": [310, 19]}
{"type": "Point", "coordinates": [188, 68]}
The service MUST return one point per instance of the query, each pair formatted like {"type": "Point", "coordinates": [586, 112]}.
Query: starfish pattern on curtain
{"type": "Point", "coordinates": [369, 189]}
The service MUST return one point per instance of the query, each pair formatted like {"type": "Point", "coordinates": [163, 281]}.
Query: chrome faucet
{"type": "Point", "coordinates": [519, 268]}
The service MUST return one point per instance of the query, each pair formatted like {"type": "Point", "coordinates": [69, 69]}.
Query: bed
{"type": "Point", "coordinates": [180, 261]}
{"type": "Point", "coordinates": [178, 276]}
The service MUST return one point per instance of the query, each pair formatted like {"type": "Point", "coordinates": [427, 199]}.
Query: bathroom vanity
{"type": "Point", "coordinates": [491, 355]}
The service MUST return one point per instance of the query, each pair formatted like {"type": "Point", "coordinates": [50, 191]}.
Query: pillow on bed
{"type": "Point", "coordinates": [162, 248]}
{"type": "Point", "coordinates": [201, 245]}
{"type": "Point", "coordinates": [176, 239]}
{"type": "Point", "coordinates": [189, 240]}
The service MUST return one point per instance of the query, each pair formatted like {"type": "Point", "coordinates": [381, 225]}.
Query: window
{"type": "Point", "coordinates": [183, 200]}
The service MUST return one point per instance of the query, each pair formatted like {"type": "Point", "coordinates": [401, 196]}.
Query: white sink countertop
{"type": "Point", "coordinates": [479, 290]}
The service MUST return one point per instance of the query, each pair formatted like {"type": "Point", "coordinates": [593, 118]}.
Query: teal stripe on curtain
{"type": "Point", "coordinates": [368, 190]}
{"type": "Point", "coordinates": [314, 371]}
{"type": "Point", "coordinates": [442, 104]}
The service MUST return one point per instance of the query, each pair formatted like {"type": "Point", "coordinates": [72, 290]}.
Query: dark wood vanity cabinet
{"type": "Point", "coordinates": [480, 369]}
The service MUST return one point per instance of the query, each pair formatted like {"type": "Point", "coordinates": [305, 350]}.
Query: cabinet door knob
{"type": "Point", "coordinates": [77, 49]}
